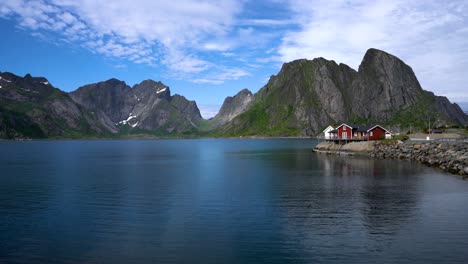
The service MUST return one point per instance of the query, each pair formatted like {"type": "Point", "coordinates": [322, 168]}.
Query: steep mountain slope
{"type": "Point", "coordinates": [147, 106]}
{"type": "Point", "coordinates": [30, 107]}
{"type": "Point", "coordinates": [308, 95]}
{"type": "Point", "coordinates": [304, 95]}
{"type": "Point", "coordinates": [384, 84]}
{"type": "Point", "coordinates": [232, 107]}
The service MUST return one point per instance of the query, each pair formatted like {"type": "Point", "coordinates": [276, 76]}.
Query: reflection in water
{"type": "Point", "coordinates": [221, 201]}
{"type": "Point", "coordinates": [387, 192]}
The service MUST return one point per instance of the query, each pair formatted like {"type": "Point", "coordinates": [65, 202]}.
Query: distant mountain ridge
{"type": "Point", "coordinates": [30, 107]}
{"type": "Point", "coordinates": [232, 107]}
{"type": "Point", "coordinates": [302, 99]}
{"type": "Point", "coordinates": [147, 106]}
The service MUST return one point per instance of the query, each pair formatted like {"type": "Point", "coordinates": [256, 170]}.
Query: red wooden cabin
{"type": "Point", "coordinates": [359, 132]}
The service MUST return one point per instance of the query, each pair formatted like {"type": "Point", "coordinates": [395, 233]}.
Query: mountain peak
{"type": "Point", "coordinates": [148, 87]}
{"type": "Point", "coordinates": [233, 106]}
{"type": "Point", "coordinates": [115, 82]}
{"type": "Point", "coordinates": [379, 59]}
{"type": "Point", "coordinates": [374, 51]}
{"type": "Point", "coordinates": [244, 91]}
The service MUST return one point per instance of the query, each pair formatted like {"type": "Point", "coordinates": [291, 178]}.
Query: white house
{"type": "Point", "coordinates": [326, 131]}
{"type": "Point", "coordinates": [388, 134]}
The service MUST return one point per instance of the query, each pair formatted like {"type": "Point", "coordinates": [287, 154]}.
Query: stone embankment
{"type": "Point", "coordinates": [447, 156]}
{"type": "Point", "coordinates": [353, 148]}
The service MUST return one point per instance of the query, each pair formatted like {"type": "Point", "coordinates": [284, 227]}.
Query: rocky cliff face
{"type": "Point", "coordinates": [147, 106]}
{"type": "Point", "coordinates": [308, 95]}
{"type": "Point", "coordinates": [303, 96]}
{"type": "Point", "coordinates": [30, 107]}
{"type": "Point", "coordinates": [384, 85]}
{"type": "Point", "coordinates": [232, 107]}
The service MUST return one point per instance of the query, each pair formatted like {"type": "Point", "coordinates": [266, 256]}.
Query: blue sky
{"type": "Point", "coordinates": [207, 50]}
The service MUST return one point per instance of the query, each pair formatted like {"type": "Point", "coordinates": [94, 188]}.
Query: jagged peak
{"type": "Point", "coordinates": [150, 86]}
{"type": "Point", "coordinates": [151, 83]}
{"type": "Point", "coordinates": [244, 91]}
{"type": "Point", "coordinates": [302, 62]}
{"type": "Point", "coordinates": [374, 57]}
{"type": "Point", "coordinates": [376, 52]}
{"type": "Point", "coordinates": [30, 78]}
{"type": "Point", "coordinates": [9, 76]}
{"type": "Point", "coordinates": [114, 81]}
{"type": "Point", "coordinates": [178, 96]}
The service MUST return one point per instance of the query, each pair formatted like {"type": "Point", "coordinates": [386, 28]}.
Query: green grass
{"type": "Point", "coordinates": [15, 123]}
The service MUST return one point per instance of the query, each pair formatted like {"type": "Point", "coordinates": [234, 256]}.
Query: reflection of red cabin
{"type": "Point", "coordinates": [359, 132]}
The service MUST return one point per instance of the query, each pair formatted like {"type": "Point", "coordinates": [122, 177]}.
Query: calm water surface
{"type": "Point", "coordinates": [223, 201]}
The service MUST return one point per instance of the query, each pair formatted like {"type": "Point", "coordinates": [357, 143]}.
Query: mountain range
{"type": "Point", "coordinates": [302, 99]}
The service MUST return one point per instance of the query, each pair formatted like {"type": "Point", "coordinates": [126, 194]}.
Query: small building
{"type": "Point", "coordinates": [378, 133]}
{"type": "Point", "coordinates": [326, 132]}
{"type": "Point", "coordinates": [345, 132]}
{"type": "Point", "coordinates": [388, 135]}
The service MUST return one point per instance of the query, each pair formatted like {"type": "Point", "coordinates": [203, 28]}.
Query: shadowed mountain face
{"type": "Point", "coordinates": [30, 107]}
{"type": "Point", "coordinates": [147, 106]}
{"type": "Point", "coordinates": [308, 95]}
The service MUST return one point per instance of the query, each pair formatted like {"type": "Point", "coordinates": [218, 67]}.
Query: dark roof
{"type": "Point", "coordinates": [381, 127]}
{"type": "Point", "coordinates": [358, 127]}
{"type": "Point", "coordinates": [362, 128]}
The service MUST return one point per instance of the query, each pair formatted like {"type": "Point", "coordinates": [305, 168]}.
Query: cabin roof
{"type": "Point", "coordinates": [361, 128]}
{"type": "Point", "coordinates": [358, 128]}
{"type": "Point", "coordinates": [381, 128]}
{"type": "Point", "coordinates": [343, 125]}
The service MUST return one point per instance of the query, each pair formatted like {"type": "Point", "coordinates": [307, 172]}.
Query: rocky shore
{"type": "Point", "coordinates": [447, 156]}
{"type": "Point", "coordinates": [451, 157]}
{"type": "Point", "coordinates": [352, 148]}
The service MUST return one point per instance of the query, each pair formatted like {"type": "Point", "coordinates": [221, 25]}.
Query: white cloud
{"type": "Point", "coordinates": [430, 36]}
{"type": "Point", "coordinates": [178, 61]}
{"type": "Point", "coordinates": [193, 38]}
{"type": "Point", "coordinates": [213, 46]}
{"type": "Point", "coordinates": [222, 75]}
{"type": "Point", "coordinates": [67, 18]}
{"type": "Point", "coordinates": [209, 110]}
{"type": "Point", "coordinates": [228, 54]}
{"type": "Point", "coordinates": [266, 22]}
{"type": "Point", "coordinates": [142, 31]}
{"type": "Point", "coordinates": [120, 66]}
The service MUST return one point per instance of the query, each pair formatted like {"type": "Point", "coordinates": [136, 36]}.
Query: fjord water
{"type": "Point", "coordinates": [223, 201]}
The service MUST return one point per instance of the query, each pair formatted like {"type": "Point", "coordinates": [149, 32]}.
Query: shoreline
{"type": "Point", "coordinates": [450, 157]}
{"type": "Point", "coordinates": [150, 138]}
